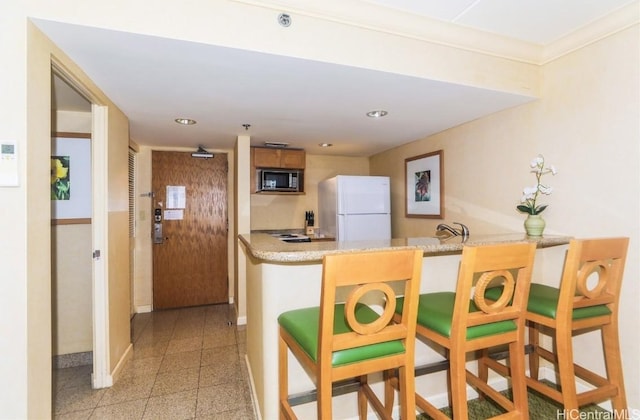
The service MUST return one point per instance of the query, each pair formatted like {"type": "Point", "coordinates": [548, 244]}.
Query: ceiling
{"type": "Point", "coordinates": [300, 102]}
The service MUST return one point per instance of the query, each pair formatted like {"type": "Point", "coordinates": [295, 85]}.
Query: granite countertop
{"type": "Point", "coordinates": [269, 249]}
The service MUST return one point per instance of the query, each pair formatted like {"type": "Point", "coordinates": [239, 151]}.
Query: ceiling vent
{"type": "Point", "coordinates": [276, 144]}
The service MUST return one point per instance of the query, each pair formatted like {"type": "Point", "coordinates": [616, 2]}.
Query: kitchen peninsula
{"type": "Point", "coordinates": [283, 276]}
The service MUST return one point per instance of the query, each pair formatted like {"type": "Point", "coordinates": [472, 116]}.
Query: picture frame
{"type": "Point", "coordinates": [75, 208]}
{"type": "Point", "coordinates": [424, 185]}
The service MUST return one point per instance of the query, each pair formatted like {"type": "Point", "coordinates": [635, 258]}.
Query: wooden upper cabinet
{"type": "Point", "coordinates": [265, 157]}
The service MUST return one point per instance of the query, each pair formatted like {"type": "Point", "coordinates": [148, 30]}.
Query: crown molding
{"type": "Point", "coordinates": [617, 21]}
{"type": "Point", "coordinates": [370, 16]}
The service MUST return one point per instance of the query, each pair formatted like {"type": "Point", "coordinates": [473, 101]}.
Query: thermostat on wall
{"type": "Point", "coordinates": [8, 163]}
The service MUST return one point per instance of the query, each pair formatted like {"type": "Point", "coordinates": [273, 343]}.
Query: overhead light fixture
{"type": "Point", "coordinates": [201, 153]}
{"type": "Point", "coordinates": [276, 144]}
{"type": "Point", "coordinates": [185, 121]}
{"type": "Point", "coordinates": [325, 145]}
{"type": "Point", "coordinates": [379, 113]}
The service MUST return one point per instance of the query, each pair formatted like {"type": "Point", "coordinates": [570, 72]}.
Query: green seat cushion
{"type": "Point", "coordinates": [543, 300]}
{"type": "Point", "coordinates": [303, 325]}
{"type": "Point", "coordinates": [435, 311]}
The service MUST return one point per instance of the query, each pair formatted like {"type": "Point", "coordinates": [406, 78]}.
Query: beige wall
{"type": "Point", "coordinates": [587, 124]}
{"type": "Point", "coordinates": [71, 277]}
{"type": "Point", "coordinates": [287, 211]}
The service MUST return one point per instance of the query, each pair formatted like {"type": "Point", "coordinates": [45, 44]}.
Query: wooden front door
{"type": "Point", "coordinates": [190, 256]}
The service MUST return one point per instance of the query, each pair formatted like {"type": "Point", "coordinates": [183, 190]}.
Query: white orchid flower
{"type": "Point", "coordinates": [545, 189]}
{"type": "Point", "coordinates": [530, 194]}
{"type": "Point", "coordinates": [530, 191]}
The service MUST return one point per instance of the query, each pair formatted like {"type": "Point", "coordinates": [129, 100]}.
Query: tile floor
{"type": "Point", "coordinates": [187, 364]}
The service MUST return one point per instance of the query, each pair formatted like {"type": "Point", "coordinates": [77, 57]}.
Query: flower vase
{"type": "Point", "coordinates": [534, 225]}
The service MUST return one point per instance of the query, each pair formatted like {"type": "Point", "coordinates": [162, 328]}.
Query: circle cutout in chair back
{"type": "Point", "coordinates": [508, 286]}
{"type": "Point", "coordinates": [601, 270]}
{"type": "Point", "coordinates": [389, 308]}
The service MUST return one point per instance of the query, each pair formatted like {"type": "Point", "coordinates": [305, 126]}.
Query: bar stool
{"type": "Point", "coordinates": [577, 307]}
{"type": "Point", "coordinates": [464, 321]}
{"type": "Point", "coordinates": [336, 341]}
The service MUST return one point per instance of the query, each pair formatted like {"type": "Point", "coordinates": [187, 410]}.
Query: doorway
{"type": "Point", "coordinates": [71, 228]}
{"type": "Point", "coordinates": [67, 93]}
{"type": "Point", "coordinates": [190, 265]}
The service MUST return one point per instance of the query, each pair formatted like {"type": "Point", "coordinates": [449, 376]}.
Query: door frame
{"type": "Point", "coordinates": [101, 376]}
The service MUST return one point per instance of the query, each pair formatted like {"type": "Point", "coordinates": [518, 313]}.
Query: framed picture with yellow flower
{"type": "Point", "coordinates": [60, 185]}
{"type": "Point", "coordinates": [71, 179]}
{"type": "Point", "coordinates": [424, 186]}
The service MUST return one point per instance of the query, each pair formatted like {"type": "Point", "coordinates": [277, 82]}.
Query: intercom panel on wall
{"type": "Point", "coordinates": [8, 163]}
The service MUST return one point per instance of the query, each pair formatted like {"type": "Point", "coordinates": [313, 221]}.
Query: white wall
{"type": "Point", "coordinates": [13, 223]}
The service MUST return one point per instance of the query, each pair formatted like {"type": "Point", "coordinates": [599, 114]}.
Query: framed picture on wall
{"type": "Point", "coordinates": [424, 185]}
{"type": "Point", "coordinates": [71, 180]}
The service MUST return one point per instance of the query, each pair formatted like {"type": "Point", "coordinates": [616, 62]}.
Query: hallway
{"type": "Point", "coordinates": [187, 364]}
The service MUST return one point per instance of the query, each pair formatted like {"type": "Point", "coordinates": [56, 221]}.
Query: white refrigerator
{"type": "Point", "coordinates": [355, 208]}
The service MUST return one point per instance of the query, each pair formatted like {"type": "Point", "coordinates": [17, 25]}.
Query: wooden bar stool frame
{"type": "Point", "coordinates": [605, 259]}
{"type": "Point", "coordinates": [364, 273]}
{"type": "Point", "coordinates": [480, 267]}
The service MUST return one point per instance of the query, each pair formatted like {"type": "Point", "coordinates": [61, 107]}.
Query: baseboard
{"type": "Point", "coordinates": [252, 385]}
{"type": "Point", "coordinates": [128, 355]}
{"type": "Point", "coordinates": [143, 309]}
{"type": "Point", "coordinates": [242, 320]}
{"type": "Point", "coordinates": [63, 361]}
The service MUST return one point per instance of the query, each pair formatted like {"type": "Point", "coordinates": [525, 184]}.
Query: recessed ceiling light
{"type": "Point", "coordinates": [325, 145]}
{"type": "Point", "coordinates": [377, 113]}
{"type": "Point", "coordinates": [185, 121]}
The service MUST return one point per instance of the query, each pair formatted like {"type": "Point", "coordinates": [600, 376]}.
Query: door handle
{"type": "Point", "coordinates": [157, 233]}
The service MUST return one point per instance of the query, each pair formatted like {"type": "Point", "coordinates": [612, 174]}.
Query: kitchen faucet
{"type": "Point", "coordinates": [464, 230]}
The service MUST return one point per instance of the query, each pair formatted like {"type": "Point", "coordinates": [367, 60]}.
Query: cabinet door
{"type": "Point", "coordinates": [292, 159]}
{"type": "Point", "coordinates": [278, 158]}
{"type": "Point", "coordinates": [266, 158]}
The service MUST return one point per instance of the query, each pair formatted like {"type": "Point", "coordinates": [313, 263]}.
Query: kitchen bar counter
{"type": "Point", "coordinates": [269, 249]}
{"type": "Point", "coordinates": [282, 276]}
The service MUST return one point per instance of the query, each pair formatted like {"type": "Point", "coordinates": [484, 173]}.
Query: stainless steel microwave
{"type": "Point", "coordinates": [278, 180]}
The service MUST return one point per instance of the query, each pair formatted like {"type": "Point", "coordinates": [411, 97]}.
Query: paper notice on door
{"type": "Point", "coordinates": [176, 197]}
{"type": "Point", "coordinates": [176, 214]}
